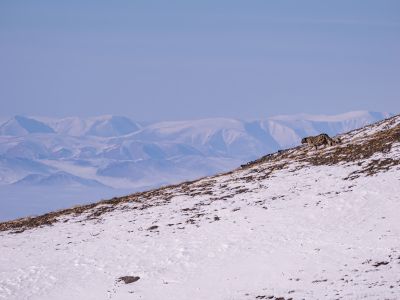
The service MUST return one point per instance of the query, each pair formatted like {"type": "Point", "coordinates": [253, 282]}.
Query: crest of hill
{"type": "Point", "coordinates": [20, 125]}
{"type": "Point", "coordinates": [57, 179]}
{"type": "Point", "coordinates": [363, 148]}
{"type": "Point", "coordinates": [100, 126]}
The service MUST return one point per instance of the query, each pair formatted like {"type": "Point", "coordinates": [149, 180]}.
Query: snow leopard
{"type": "Point", "coordinates": [321, 139]}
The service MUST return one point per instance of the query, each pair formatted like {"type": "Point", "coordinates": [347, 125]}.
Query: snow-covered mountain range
{"type": "Point", "coordinates": [117, 153]}
{"type": "Point", "coordinates": [296, 224]}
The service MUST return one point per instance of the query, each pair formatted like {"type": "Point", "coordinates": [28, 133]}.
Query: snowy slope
{"type": "Point", "coordinates": [297, 224]}
{"type": "Point", "coordinates": [125, 155]}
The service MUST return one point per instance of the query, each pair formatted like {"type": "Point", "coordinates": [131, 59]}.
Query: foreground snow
{"type": "Point", "coordinates": [281, 227]}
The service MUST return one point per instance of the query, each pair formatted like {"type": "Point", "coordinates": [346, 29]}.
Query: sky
{"type": "Point", "coordinates": [169, 60]}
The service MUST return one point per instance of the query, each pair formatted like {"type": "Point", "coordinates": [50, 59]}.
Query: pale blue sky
{"type": "Point", "coordinates": [161, 60]}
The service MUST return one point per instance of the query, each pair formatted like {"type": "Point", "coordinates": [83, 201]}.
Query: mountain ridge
{"type": "Point", "coordinates": [77, 126]}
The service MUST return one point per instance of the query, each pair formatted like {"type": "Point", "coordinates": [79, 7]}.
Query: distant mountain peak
{"type": "Point", "coordinates": [20, 125]}
{"type": "Point", "coordinates": [57, 179]}
{"type": "Point", "coordinates": [109, 125]}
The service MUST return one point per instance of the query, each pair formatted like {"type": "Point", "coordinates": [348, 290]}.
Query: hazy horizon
{"type": "Point", "coordinates": [149, 121]}
{"type": "Point", "coordinates": [157, 61]}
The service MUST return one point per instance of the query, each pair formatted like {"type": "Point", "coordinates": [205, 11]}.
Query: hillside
{"type": "Point", "coordinates": [296, 224]}
{"type": "Point", "coordinates": [127, 156]}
